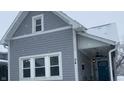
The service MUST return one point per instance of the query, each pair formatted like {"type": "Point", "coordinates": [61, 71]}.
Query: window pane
{"type": "Point", "coordinates": [38, 21]}
{"type": "Point", "coordinates": [54, 60]}
{"type": "Point", "coordinates": [26, 73]}
{"type": "Point", "coordinates": [39, 72]}
{"type": "Point", "coordinates": [39, 62]}
{"type": "Point", "coordinates": [26, 63]}
{"type": "Point", "coordinates": [54, 71]}
{"type": "Point", "coordinates": [38, 28]}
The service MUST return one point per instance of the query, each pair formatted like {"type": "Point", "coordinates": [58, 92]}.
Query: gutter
{"type": "Point", "coordinates": [110, 63]}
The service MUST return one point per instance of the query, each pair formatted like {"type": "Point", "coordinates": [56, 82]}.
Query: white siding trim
{"type": "Point", "coordinates": [44, 32]}
{"type": "Point", "coordinates": [9, 61]}
{"type": "Point", "coordinates": [32, 65]}
{"type": "Point", "coordinates": [47, 64]}
{"type": "Point", "coordinates": [75, 56]}
{"type": "Point", "coordinates": [33, 24]}
{"type": "Point", "coordinates": [60, 65]}
{"type": "Point", "coordinates": [40, 55]}
{"type": "Point", "coordinates": [20, 70]}
{"type": "Point", "coordinates": [5, 61]}
{"type": "Point", "coordinates": [42, 21]}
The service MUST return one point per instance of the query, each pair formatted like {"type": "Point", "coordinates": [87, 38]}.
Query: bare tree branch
{"type": "Point", "coordinates": [120, 58]}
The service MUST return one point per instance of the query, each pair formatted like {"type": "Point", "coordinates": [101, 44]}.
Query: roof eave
{"type": "Point", "coordinates": [99, 38]}
{"type": "Point", "coordinates": [3, 40]}
{"type": "Point", "coordinates": [76, 25]}
{"type": "Point", "coordinates": [13, 26]}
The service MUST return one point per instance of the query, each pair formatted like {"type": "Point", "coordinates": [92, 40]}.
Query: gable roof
{"type": "Point", "coordinates": [76, 26]}
{"type": "Point", "coordinates": [22, 14]}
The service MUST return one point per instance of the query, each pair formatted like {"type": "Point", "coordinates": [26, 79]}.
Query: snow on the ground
{"type": "Point", "coordinates": [120, 78]}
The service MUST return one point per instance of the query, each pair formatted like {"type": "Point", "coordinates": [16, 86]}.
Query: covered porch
{"type": "Point", "coordinates": [93, 58]}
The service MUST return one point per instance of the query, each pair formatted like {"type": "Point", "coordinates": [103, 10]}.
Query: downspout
{"type": "Point", "coordinates": [110, 63]}
{"type": "Point", "coordinates": [75, 56]}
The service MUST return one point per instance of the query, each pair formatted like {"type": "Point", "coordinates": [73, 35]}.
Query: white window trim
{"type": "Point", "coordinates": [33, 22]}
{"type": "Point", "coordinates": [47, 67]}
{"type": "Point", "coordinates": [9, 61]}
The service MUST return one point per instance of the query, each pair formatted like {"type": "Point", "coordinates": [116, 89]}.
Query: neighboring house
{"type": "Point", "coordinates": [49, 45]}
{"type": "Point", "coordinates": [3, 66]}
{"type": "Point", "coordinates": [120, 61]}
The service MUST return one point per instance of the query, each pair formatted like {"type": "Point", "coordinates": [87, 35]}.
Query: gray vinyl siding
{"type": "Point", "coordinates": [80, 59]}
{"type": "Point", "coordinates": [86, 73]}
{"type": "Point", "coordinates": [61, 41]}
{"type": "Point", "coordinates": [51, 21]}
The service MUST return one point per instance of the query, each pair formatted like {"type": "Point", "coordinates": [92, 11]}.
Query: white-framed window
{"type": "Point", "coordinates": [38, 23]}
{"type": "Point", "coordinates": [54, 65]}
{"type": "Point", "coordinates": [41, 67]}
{"type": "Point", "coordinates": [26, 68]}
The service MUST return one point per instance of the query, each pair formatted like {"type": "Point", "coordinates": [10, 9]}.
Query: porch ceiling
{"type": "Point", "coordinates": [87, 43]}
{"type": "Point", "coordinates": [91, 52]}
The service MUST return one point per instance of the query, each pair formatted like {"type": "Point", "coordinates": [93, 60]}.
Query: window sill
{"type": "Point", "coordinates": [53, 78]}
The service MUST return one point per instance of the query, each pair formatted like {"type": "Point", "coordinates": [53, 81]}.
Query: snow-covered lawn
{"type": "Point", "coordinates": [120, 78]}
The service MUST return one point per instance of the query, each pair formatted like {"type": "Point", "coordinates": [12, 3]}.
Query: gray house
{"type": "Point", "coordinates": [49, 45]}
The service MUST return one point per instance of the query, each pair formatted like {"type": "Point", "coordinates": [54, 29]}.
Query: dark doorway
{"type": "Point", "coordinates": [3, 72]}
{"type": "Point", "coordinates": [103, 70]}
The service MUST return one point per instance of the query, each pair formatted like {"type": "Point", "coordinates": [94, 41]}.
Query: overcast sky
{"type": "Point", "coordinates": [88, 19]}
{"type": "Point", "coordinates": [91, 19]}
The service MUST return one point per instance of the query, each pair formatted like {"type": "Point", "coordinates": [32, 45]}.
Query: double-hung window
{"type": "Point", "coordinates": [54, 66]}
{"type": "Point", "coordinates": [38, 23]}
{"type": "Point", "coordinates": [41, 67]}
{"type": "Point", "coordinates": [26, 68]}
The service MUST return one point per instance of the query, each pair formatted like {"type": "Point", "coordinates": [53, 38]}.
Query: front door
{"type": "Point", "coordinates": [103, 70]}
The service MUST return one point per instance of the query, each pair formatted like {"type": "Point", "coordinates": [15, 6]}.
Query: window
{"type": "Point", "coordinates": [37, 23]}
{"type": "Point", "coordinates": [41, 67]}
{"type": "Point", "coordinates": [54, 66]}
{"type": "Point", "coordinates": [26, 68]}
